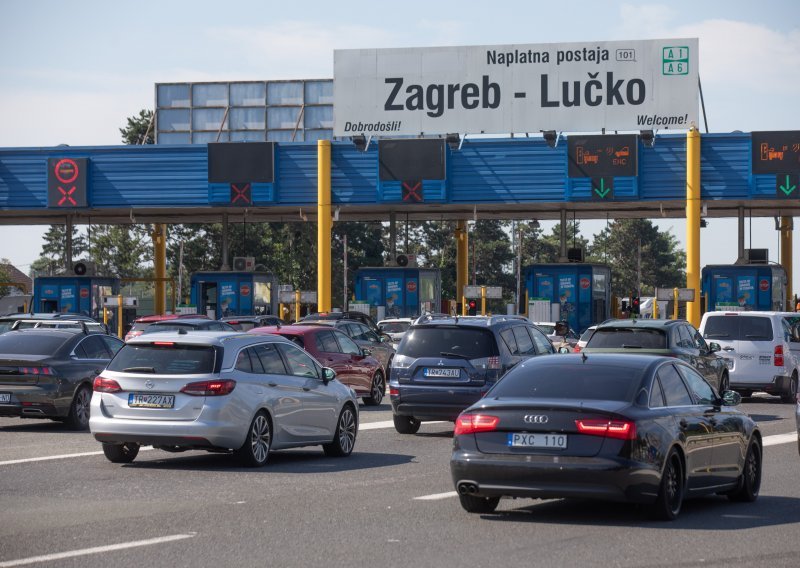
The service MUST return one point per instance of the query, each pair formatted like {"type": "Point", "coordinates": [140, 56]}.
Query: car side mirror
{"type": "Point", "coordinates": [366, 352]}
{"type": "Point", "coordinates": [713, 347]}
{"type": "Point", "coordinates": [731, 398]}
{"type": "Point", "coordinates": [328, 374]}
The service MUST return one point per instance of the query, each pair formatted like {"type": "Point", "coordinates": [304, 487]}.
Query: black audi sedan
{"type": "Point", "coordinates": [631, 428]}
{"type": "Point", "coordinates": [48, 373]}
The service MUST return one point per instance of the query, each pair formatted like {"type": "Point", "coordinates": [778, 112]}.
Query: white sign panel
{"type": "Point", "coordinates": [494, 292]}
{"type": "Point", "coordinates": [572, 87]}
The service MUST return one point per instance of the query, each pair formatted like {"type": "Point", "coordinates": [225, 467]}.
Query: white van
{"type": "Point", "coordinates": [761, 350]}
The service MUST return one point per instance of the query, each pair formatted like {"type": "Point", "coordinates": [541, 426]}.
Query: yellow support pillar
{"type": "Point", "coordinates": [693, 224]}
{"type": "Point", "coordinates": [462, 262]}
{"type": "Point", "coordinates": [160, 262]}
{"type": "Point", "coordinates": [786, 260]}
{"type": "Point", "coordinates": [483, 300]}
{"type": "Point", "coordinates": [297, 305]}
{"type": "Point", "coordinates": [324, 225]}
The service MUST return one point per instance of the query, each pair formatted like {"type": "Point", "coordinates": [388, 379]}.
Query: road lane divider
{"type": "Point", "coordinates": [386, 424]}
{"type": "Point", "coordinates": [437, 496]}
{"type": "Point", "coordinates": [63, 456]}
{"type": "Point", "coordinates": [95, 550]}
{"type": "Point", "coordinates": [779, 439]}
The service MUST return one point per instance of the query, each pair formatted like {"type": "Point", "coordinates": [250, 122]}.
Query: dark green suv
{"type": "Point", "coordinates": [445, 364]}
{"type": "Point", "coordinates": [673, 338]}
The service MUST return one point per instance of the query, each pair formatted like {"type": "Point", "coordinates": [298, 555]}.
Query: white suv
{"type": "Point", "coordinates": [761, 350]}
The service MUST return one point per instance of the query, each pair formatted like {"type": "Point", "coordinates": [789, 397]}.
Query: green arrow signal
{"type": "Point", "coordinates": [787, 189]}
{"type": "Point", "coordinates": [602, 191]}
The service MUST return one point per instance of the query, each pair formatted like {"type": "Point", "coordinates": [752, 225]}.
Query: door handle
{"type": "Point", "coordinates": [306, 389]}
{"type": "Point", "coordinates": [273, 384]}
{"type": "Point", "coordinates": [727, 348]}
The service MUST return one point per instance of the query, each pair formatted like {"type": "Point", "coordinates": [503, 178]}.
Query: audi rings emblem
{"type": "Point", "coordinates": [149, 384]}
{"type": "Point", "coordinates": [536, 419]}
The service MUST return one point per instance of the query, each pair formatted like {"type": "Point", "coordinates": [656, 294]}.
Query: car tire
{"type": "Point", "coordinates": [376, 390]}
{"type": "Point", "coordinates": [724, 383]}
{"type": "Point", "coordinates": [121, 453]}
{"type": "Point", "coordinates": [255, 450]}
{"type": "Point", "coordinates": [791, 395]}
{"type": "Point", "coordinates": [78, 418]}
{"type": "Point", "coordinates": [670, 491]}
{"type": "Point", "coordinates": [406, 424]}
{"type": "Point", "coordinates": [344, 440]}
{"type": "Point", "coordinates": [479, 505]}
{"type": "Point", "coordinates": [750, 480]}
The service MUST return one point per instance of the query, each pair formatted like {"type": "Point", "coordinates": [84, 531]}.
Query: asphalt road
{"type": "Point", "coordinates": [389, 504]}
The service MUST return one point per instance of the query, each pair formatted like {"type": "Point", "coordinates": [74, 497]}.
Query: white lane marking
{"type": "Point", "coordinates": [780, 439]}
{"type": "Point", "coordinates": [63, 456]}
{"type": "Point", "coordinates": [436, 496]}
{"type": "Point", "coordinates": [387, 424]}
{"type": "Point", "coordinates": [95, 550]}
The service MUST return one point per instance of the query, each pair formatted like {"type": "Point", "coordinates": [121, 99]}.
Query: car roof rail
{"type": "Point", "coordinates": [431, 316]}
{"type": "Point", "coordinates": [506, 317]}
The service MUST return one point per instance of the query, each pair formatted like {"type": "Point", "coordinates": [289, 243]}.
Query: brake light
{"type": "Point", "coordinates": [620, 429]}
{"type": "Point", "coordinates": [778, 360]}
{"type": "Point", "coordinates": [103, 384]}
{"type": "Point", "coordinates": [36, 371]}
{"type": "Point", "coordinates": [474, 423]}
{"type": "Point", "coordinates": [164, 343]}
{"type": "Point", "coordinates": [494, 362]}
{"type": "Point", "coordinates": [209, 388]}
{"type": "Point", "coordinates": [576, 349]}
{"type": "Point", "coordinates": [394, 392]}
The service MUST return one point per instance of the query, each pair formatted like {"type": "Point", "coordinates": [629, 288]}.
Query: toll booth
{"type": "Point", "coordinates": [402, 292]}
{"type": "Point", "coordinates": [73, 294]}
{"type": "Point", "coordinates": [222, 294]}
{"type": "Point", "coordinates": [744, 287]}
{"type": "Point", "coordinates": [579, 293]}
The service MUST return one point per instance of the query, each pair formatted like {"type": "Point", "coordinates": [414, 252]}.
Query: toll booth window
{"type": "Point", "coordinates": [599, 283]}
{"type": "Point", "coordinates": [262, 297]}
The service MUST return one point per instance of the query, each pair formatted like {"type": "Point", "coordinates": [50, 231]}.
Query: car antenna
{"type": "Point", "coordinates": [583, 356]}
{"type": "Point", "coordinates": [278, 325]}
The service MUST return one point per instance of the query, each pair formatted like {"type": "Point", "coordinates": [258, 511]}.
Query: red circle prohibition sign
{"type": "Point", "coordinates": [63, 163]}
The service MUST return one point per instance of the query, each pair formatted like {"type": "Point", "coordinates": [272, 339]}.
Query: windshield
{"type": "Point", "coordinates": [547, 329]}
{"type": "Point", "coordinates": [456, 342]}
{"type": "Point", "coordinates": [28, 344]}
{"type": "Point", "coordinates": [570, 381]}
{"type": "Point", "coordinates": [748, 328]}
{"type": "Point", "coordinates": [394, 326]}
{"type": "Point", "coordinates": [614, 338]}
{"type": "Point", "coordinates": [172, 359]}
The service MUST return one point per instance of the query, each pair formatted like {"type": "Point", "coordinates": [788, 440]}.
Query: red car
{"type": "Point", "coordinates": [140, 323]}
{"type": "Point", "coordinates": [354, 366]}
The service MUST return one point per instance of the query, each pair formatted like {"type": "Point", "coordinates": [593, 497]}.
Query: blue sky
{"type": "Point", "coordinates": [71, 72]}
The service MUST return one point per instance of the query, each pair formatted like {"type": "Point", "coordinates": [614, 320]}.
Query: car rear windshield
{"type": "Point", "coordinates": [172, 359]}
{"type": "Point", "coordinates": [28, 344]}
{"type": "Point", "coordinates": [587, 335]}
{"type": "Point", "coordinates": [618, 338]}
{"type": "Point", "coordinates": [395, 327]}
{"type": "Point", "coordinates": [442, 340]}
{"type": "Point", "coordinates": [167, 327]}
{"type": "Point", "coordinates": [747, 328]}
{"type": "Point", "coordinates": [570, 381]}
{"type": "Point", "coordinates": [140, 326]}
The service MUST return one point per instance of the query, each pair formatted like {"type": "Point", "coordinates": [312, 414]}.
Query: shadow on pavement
{"type": "Point", "coordinates": [40, 426]}
{"type": "Point", "coordinates": [707, 513]}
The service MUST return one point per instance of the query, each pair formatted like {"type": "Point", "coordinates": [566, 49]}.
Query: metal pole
{"type": "Point", "coordinates": [160, 265]}
{"type": "Point", "coordinates": [740, 238]}
{"type": "Point", "coordinates": [324, 227]}
{"type": "Point", "coordinates": [225, 265]}
{"type": "Point", "coordinates": [119, 316]}
{"type": "Point", "coordinates": [563, 236]}
{"type": "Point", "coordinates": [519, 270]}
{"type": "Point", "coordinates": [639, 269]}
{"type": "Point", "coordinates": [674, 303]}
{"type": "Point", "coordinates": [693, 224]}
{"type": "Point", "coordinates": [297, 305]}
{"type": "Point", "coordinates": [483, 300]}
{"type": "Point", "coordinates": [462, 261]}
{"type": "Point", "coordinates": [786, 258]}
{"type": "Point", "coordinates": [344, 284]}
{"type": "Point", "coordinates": [68, 252]}
{"type": "Point", "coordinates": [393, 236]}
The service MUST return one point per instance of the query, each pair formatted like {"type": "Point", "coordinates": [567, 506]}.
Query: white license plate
{"type": "Point", "coordinates": [437, 372]}
{"type": "Point", "coordinates": [5, 397]}
{"type": "Point", "coordinates": [525, 440]}
{"type": "Point", "coordinates": [151, 400]}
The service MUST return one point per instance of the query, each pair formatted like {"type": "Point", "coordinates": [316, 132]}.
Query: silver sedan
{"type": "Point", "coordinates": [246, 394]}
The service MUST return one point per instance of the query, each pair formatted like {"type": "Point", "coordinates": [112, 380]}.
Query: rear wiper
{"type": "Point", "coordinates": [715, 335]}
{"type": "Point", "coordinates": [625, 346]}
{"type": "Point", "coordinates": [139, 370]}
{"type": "Point", "coordinates": [459, 355]}
{"type": "Point", "coordinates": [758, 337]}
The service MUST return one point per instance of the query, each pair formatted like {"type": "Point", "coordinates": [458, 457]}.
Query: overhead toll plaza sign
{"type": "Point", "coordinates": [569, 87]}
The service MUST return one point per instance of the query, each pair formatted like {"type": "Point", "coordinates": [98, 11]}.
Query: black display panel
{"type": "Point", "coordinates": [411, 191]}
{"type": "Point", "coordinates": [603, 156]}
{"type": "Point", "coordinates": [776, 152]}
{"type": "Point", "coordinates": [413, 159]}
{"type": "Point", "coordinates": [241, 194]}
{"type": "Point", "coordinates": [66, 183]}
{"type": "Point", "coordinates": [239, 162]}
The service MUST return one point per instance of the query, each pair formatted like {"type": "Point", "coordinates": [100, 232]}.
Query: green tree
{"type": "Point", "coordinates": [491, 255]}
{"type": "Point", "coordinates": [53, 257]}
{"type": "Point", "coordinates": [662, 264]}
{"type": "Point", "coordinates": [139, 129]}
{"type": "Point", "coordinates": [4, 277]}
{"type": "Point", "coordinates": [365, 248]}
{"type": "Point", "coordinates": [120, 250]}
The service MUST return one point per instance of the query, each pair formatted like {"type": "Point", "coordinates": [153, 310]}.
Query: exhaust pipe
{"type": "Point", "coordinates": [36, 411]}
{"type": "Point", "coordinates": [465, 488]}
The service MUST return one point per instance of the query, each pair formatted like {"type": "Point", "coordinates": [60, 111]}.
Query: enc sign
{"type": "Point", "coordinates": [776, 152]}
{"type": "Point", "coordinates": [602, 156]}
{"type": "Point", "coordinates": [569, 87]}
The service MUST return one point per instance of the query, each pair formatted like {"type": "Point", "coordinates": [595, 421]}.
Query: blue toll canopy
{"type": "Point", "coordinates": [221, 294]}
{"type": "Point", "coordinates": [403, 291]}
{"type": "Point", "coordinates": [579, 293]}
{"type": "Point", "coordinates": [73, 294]}
{"type": "Point", "coordinates": [744, 287]}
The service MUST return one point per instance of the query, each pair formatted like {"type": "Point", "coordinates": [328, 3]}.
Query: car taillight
{"type": "Point", "coordinates": [209, 388]}
{"type": "Point", "coordinates": [103, 384]}
{"type": "Point", "coordinates": [494, 362]}
{"type": "Point", "coordinates": [621, 429]}
{"type": "Point", "coordinates": [36, 371]}
{"type": "Point", "coordinates": [576, 349]}
{"type": "Point", "coordinates": [473, 423]}
{"type": "Point", "coordinates": [394, 392]}
{"type": "Point", "coordinates": [778, 360]}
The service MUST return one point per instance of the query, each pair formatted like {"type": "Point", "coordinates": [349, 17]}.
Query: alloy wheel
{"type": "Point", "coordinates": [260, 438]}
{"type": "Point", "coordinates": [347, 430]}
